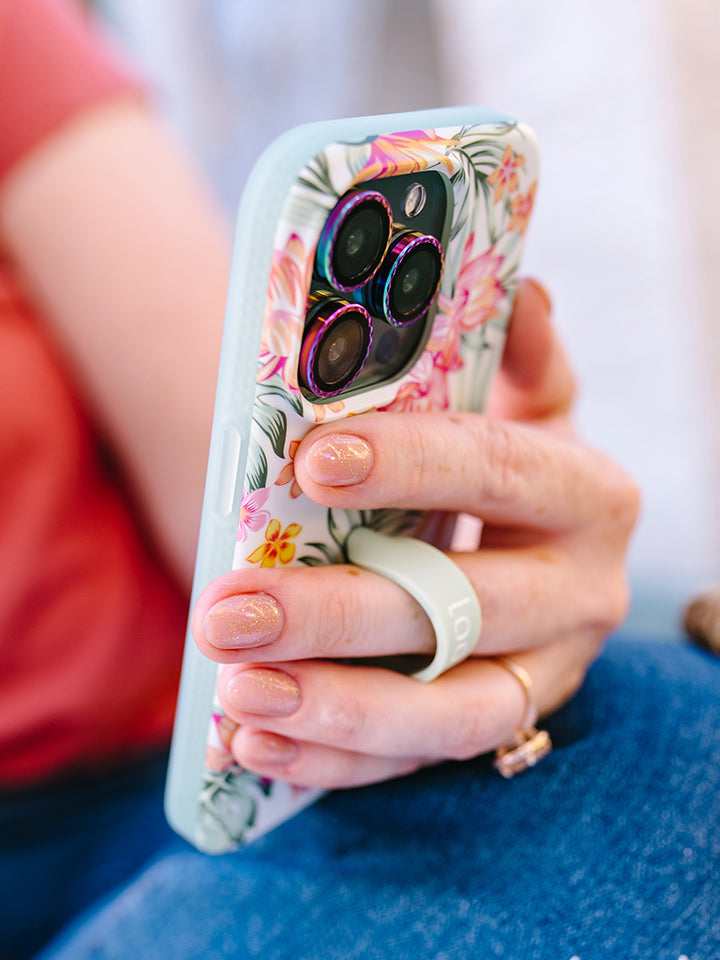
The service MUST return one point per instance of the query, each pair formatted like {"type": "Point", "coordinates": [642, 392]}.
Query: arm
{"type": "Point", "coordinates": [128, 257]}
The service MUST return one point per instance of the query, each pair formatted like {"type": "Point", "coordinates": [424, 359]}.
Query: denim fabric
{"type": "Point", "coordinates": [609, 848]}
{"type": "Point", "coordinates": [65, 846]}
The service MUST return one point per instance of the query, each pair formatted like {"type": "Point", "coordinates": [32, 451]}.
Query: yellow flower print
{"type": "Point", "coordinates": [277, 547]}
{"type": "Point", "coordinates": [505, 177]}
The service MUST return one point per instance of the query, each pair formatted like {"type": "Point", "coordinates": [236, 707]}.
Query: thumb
{"type": "Point", "coordinates": [535, 381]}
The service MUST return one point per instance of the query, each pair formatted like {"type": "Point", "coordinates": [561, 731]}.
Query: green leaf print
{"type": "Point", "coordinates": [257, 467]}
{"type": "Point", "coordinates": [270, 389]}
{"type": "Point", "coordinates": [273, 424]}
{"type": "Point", "coordinates": [335, 531]}
{"type": "Point", "coordinates": [331, 556]}
{"type": "Point", "coordinates": [316, 176]}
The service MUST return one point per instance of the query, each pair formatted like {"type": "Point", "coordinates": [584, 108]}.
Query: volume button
{"type": "Point", "coordinates": [227, 470]}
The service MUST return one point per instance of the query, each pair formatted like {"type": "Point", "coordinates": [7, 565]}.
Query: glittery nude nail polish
{"type": "Point", "coordinates": [246, 620]}
{"type": "Point", "coordinates": [339, 460]}
{"type": "Point", "coordinates": [270, 749]}
{"type": "Point", "coordinates": [271, 693]}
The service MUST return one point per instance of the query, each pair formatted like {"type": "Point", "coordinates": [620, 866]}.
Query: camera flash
{"type": "Point", "coordinates": [414, 200]}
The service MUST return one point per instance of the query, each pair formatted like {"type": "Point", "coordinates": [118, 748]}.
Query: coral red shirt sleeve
{"type": "Point", "coordinates": [53, 63]}
{"type": "Point", "coordinates": [91, 623]}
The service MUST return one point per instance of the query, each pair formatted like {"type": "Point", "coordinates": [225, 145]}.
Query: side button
{"type": "Point", "coordinates": [227, 470]}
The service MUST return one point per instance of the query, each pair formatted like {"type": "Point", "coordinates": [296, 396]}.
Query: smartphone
{"type": "Point", "coordinates": [374, 267]}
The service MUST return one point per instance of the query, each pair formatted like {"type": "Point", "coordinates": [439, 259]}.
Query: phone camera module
{"type": "Point", "coordinates": [335, 346]}
{"type": "Point", "coordinates": [387, 345]}
{"type": "Point", "coordinates": [408, 280]}
{"type": "Point", "coordinates": [415, 200]}
{"type": "Point", "coordinates": [354, 239]}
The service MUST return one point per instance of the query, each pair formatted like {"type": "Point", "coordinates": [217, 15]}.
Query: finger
{"type": "Point", "coordinates": [507, 474]}
{"type": "Point", "coordinates": [248, 614]}
{"type": "Point", "coordinates": [528, 597]}
{"type": "Point", "coordinates": [375, 712]}
{"type": "Point", "coordinates": [471, 709]}
{"type": "Point", "coordinates": [312, 764]}
{"type": "Point", "coordinates": [535, 381]}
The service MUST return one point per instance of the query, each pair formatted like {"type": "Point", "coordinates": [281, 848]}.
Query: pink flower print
{"type": "Point", "coordinates": [287, 474]}
{"type": "Point", "coordinates": [446, 341]}
{"type": "Point", "coordinates": [251, 516]}
{"type": "Point", "coordinates": [426, 388]}
{"type": "Point", "coordinates": [270, 364]}
{"type": "Point", "coordinates": [290, 273]}
{"type": "Point", "coordinates": [285, 312]}
{"type": "Point", "coordinates": [478, 290]}
{"type": "Point", "coordinates": [505, 177]}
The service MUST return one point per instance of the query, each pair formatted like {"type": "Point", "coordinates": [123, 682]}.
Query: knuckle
{"type": "Point", "coordinates": [335, 620]}
{"type": "Point", "coordinates": [575, 679]}
{"type": "Point", "coordinates": [417, 441]}
{"type": "Point", "coordinates": [570, 674]}
{"type": "Point", "coordinates": [343, 770]}
{"type": "Point", "coordinates": [620, 605]}
{"type": "Point", "coordinates": [470, 734]}
{"type": "Point", "coordinates": [578, 667]}
{"type": "Point", "coordinates": [624, 501]}
{"type": "Point", "coordinates": [343, 721]}
{"type": "Point", "coordinates": [337, 774]}
{"type": "Point", "coordinates": [631, 504]}
{"type": "Point", "coordinates": [610, 602]}
{"type": "Point", "coordinates": [572, 677]}
{"type": "Point", "coordinates": [511, 461]}
{"type": "Point", "coordinates": [429, 448]}
{"type": "Point", "coordinates": [329, 627]}
{"type": "Point", "coordinates": [567, 392]}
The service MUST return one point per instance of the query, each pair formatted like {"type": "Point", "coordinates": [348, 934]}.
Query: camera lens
{"type": "Point", "coordinates": [354, 239]}
{"type": "Point", "coordinates": [335, 346]}
{"type": "Point", "coordinates": [408, 279]}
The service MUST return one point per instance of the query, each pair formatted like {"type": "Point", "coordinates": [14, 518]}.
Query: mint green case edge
{"type": "Point", "coordinates": [259, 210]}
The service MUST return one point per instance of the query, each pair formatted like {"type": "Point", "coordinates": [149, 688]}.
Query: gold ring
{"type": "Point", "coordinates": [528, 745]}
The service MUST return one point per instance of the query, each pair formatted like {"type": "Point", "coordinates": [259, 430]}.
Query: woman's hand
{"type": "Point", "coordinates": [549, 574]}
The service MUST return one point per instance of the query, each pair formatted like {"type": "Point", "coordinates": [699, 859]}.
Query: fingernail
{"type": "Point", "coordinates": [246, 620]}
{"type": "Point", "coordinates": [543, 291]}
{"type": "Point", "coordinates": [269, 749]}
{"type": "Point", "coordinates": [339, 460]}
{"type": "Point", "coordinates": [271, 693]}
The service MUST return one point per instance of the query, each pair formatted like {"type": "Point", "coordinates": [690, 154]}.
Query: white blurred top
{"type": "Point", "coordinates": [608, 87]}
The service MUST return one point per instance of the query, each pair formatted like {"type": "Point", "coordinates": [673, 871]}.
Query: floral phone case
{"type": "Point", "coordinates": [485, 166]}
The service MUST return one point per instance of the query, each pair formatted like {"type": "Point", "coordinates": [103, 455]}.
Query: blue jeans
{"type": "Point", "coordinates": [609, 848]}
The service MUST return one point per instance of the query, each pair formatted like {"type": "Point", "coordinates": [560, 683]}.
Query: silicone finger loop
{"type": "Point", "coordinates": [438, 585]}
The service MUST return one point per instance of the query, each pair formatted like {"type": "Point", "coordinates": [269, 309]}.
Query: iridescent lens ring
{"type": "Point", "coordinates": [383, 290]}
{"type": "Point", "coordinates": [332, 317]}
{"type": "Point", "coordinates": [326, 249]}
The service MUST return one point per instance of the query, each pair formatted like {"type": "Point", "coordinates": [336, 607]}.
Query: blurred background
{"type": "Point", "coordinates": [625, 99]}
